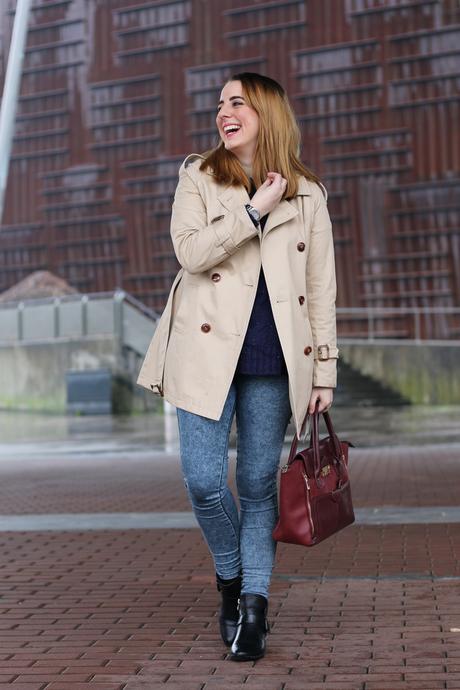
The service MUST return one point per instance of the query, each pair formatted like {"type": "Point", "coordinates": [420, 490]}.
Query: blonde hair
{"type": "Point", "coordinates": [278, 142]}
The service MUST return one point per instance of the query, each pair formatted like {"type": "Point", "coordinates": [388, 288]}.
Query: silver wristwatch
{"type": "Point", "coordinates": [253, 212]}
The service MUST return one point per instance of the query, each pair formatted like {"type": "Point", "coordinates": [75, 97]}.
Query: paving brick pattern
{"type": "Point", "coordinates": [374, 608]}
{"type": "Point", "coordinates": [413, 476]}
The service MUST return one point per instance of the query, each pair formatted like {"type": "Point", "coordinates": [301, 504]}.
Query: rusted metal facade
{"type": "Point", "coordinates": [116, 92]}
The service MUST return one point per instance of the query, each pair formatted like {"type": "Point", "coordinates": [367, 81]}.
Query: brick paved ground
{"type": "Point", "coordinates": [370, 609]}
{"type": "Point", "coordinates": [413, 476]}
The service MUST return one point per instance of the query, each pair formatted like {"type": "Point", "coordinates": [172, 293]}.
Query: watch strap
{"type": "Point", "coordinates": [254, 213]}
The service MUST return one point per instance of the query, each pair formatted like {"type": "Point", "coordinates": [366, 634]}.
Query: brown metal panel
{"type": "Point", "coordinates": [116, 92]}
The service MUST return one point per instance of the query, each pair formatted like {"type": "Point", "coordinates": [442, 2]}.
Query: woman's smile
{"type": "Point", "coordinates": [232, 133]}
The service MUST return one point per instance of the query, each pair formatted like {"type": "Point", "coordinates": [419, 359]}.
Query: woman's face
{"type": "Point", "coordinates": [233, 109]}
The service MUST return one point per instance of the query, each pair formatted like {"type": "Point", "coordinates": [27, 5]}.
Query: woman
{"type": "Point", "coordinates": [249, 329]}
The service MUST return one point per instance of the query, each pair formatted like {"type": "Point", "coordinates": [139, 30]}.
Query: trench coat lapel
{"type": "Point", "coordinates": [280, 214]}
{"type": "Point", "coordinates": [233, 196]}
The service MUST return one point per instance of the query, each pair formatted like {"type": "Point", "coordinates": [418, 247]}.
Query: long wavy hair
{"type": "Point", "coordinates": [278, 142]}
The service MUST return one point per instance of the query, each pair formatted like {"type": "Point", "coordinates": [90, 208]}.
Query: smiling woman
{"type": "Point", "coordinates": [249, 332]}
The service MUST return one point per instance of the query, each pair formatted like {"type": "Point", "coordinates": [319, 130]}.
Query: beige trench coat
{"type": "Point", "coordinates": [194, 351]}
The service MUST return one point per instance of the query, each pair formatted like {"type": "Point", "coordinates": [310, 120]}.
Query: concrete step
{"type": "Point", "coordinates": [355, 388]}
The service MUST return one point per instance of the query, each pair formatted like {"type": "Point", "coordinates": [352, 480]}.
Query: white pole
{"type": "Point", "coordinates": [11, 92]}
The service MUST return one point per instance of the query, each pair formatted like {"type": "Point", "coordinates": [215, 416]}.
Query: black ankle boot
{"type": "Point", "coordinates": [252, 629]}
{"type": "Point", "coordinates": [228, 617]}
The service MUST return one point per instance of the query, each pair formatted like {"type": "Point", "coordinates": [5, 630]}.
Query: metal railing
{"type": "Point", "coordinates": [121, 315]}
{"type": "Point", "coordinates": [405, 323]}
{"type": "Point", "coordinates": [78, 316]}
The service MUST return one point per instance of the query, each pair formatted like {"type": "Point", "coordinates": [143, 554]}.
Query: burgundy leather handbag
{"type": "Point", "coordinates": [315, 494]}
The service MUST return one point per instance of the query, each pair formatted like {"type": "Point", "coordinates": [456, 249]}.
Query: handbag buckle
{"type": "Point", "coordinates": [325, 470]}
{"type": "Point", "coordinates": [285, 468]}
{"type": "Point", "coordinates": [320, 352]}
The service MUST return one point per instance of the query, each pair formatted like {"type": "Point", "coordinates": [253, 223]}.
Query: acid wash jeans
{"type": "Point", "coordinates": [238, 542]}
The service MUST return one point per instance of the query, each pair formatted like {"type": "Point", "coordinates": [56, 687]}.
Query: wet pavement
{"type": "Point", "coordinates": [31, 433]}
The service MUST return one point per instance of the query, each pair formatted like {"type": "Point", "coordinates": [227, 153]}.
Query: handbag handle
{"type": "Point", "coordinates": [314, 439]}
{"type": "Point", "coordinates": [314, 442]}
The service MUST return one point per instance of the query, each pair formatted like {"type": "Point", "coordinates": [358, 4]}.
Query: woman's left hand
{"type": "Point", "coordinates": [324, 395]}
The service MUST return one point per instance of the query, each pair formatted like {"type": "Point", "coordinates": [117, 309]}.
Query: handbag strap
{"type": "Point", "coordinates": [314, 440]}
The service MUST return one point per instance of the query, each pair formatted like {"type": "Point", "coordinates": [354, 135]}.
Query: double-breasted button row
{"type": "Point", "coordinates": [216, 277]}
{"type": "Point", "coordinates": [301, 299]}
{"type": "Point", "coordinates": [205, 327]}
{"type": "Point", "coordinates": [307, 350]}
{"type": "Point", "coordinates": [301, 246]}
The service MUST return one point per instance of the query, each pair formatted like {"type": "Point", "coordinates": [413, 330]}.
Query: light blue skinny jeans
{"type": "Point", "coordinates": [238, 542]}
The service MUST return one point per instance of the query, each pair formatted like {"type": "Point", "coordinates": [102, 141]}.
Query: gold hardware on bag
{"type": "Point", "coordinates": [325, 470]}
{"type": "Point", "coordinates": [312, 526]}
{"type": "Point", "coordinates": [285, 468]}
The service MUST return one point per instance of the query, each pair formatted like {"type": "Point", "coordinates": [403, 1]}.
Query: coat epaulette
{"type": "Point", "coordinates": [324, 190]}
{"type": "Point", "coordinates": [186, 162]}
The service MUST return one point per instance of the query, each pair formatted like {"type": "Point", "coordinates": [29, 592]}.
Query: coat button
{"type": "Point", "coordinates": [301, 246]}
{"type": "Point", "coordinates": [301, 299]}
{"type": "Point", "coordinates": [216, 277]}
{"type": "Point", "coordinates": [205, 327]}
{"type": "Point", "coordinates": [307, 350]}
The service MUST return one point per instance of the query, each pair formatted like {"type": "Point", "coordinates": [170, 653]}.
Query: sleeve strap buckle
{"type": "Point", "coordinates": [323, 352]}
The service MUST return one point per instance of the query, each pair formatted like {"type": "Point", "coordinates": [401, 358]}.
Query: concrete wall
{"type": "Point", "coordinates": [428, 373]}
{"type": "Point", "coordinates": [33, 376]}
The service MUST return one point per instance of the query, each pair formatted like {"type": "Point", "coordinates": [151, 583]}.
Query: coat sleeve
{"type": "Point", "coordinates": [198, 245]}
{"type": "Point", "coordinates": [321, 295]}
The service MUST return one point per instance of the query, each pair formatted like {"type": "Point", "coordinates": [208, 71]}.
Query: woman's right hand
{"type": "Point", "coordinates": [269, 193]}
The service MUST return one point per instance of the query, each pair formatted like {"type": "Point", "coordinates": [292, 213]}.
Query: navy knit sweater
{"type": "Point", "coordinates": [261, 353]}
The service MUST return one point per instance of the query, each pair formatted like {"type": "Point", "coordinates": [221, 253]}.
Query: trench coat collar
{"type": "Point", "coordinates": [232, 196]}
